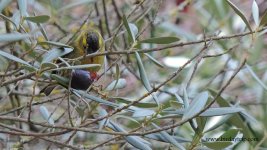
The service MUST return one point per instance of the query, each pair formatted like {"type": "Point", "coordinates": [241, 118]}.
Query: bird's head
{"type": "Point", "coordinates": [92, 43]}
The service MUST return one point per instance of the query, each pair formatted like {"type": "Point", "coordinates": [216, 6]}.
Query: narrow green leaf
{"type": "Point", "coordinates": [46, 115]}
{"type": "Point", "coordinates": [133, 140]}
{"type": "Point", "coordinates": [142, 72]}
{"type": "Point", "coordinates": [228, 135]}
{"type": "Point", "coordinates": [104, 122]}
{"type": "Point", "coordinates": [78, 67]}
{"type": "Point", "coordinates": [263, 21]}
{"type": "Point", "coordinates": [54, 44]}
{"type": "Point", "coordinates": [201, 123]}
{"type": "Point", "coordinates": [218, 145]}
{"type": "Point", "coordinates": [139, 112]}
{"type": "Point", "coordinates": [49, 65]}
{"type": "Point", "coordinates": [56, 4]}
{"type": "Point", "coordinates": [55, 53]}
{"type": "Point", "coordinates": [113, 85]}
{"type": "Point", "coordinates": [219, 5]}
{"type": "Point", "coordinates": [14, 58]}
{"type": "Point", "coordinates": [155, 98]}
{"type": "Point", "coordinates": [225, 140]}
{"type": "Point", "coordinates": [235, 120]}
{"type": "Point", "coordinates": [116, 84]}
{"type": "Point", "coordinates": [3, 63]}
{"type": "Point", "coordinates": [179, 99]}
{"type": "Point", "coordinates": [43, 31]}
{"type": "Point", "coordinates": [221, 111]}
{"type": "Point", "coordinates": [80, 111]}
{"type": "Point", "coordinates": [140, 104]}
{"type": "Point", "coordinates": [254, 75]}
{"type": "Point", "coordinates": [176, 105]}
{"type": "Point", "coordinates": [185, 100]}
{"type": "Point", "coordinates": [249, 118]}
{"type": "Point", "coordinates": [61, 80]}
{"type": "Point", "coordinates": [133, 29]}
{"type": "Point", "coordinates": [126, 24]}
{"type": "Point", "coordinates": [169, 138]}
{"type": "Point", "coordinates": [154, 60]}
{"type": "Point", "coordinates": [132, 120]}
{"type": "Point", "coordinates": [16, 18]}
{"type": "Point", "coordinates": [196, 105]}
{"type": "Point", "coordinates": [29, 68]}
{"type": "Point", "coordinates": [174, 116]}
{"type": "Point", "coordinates": [76, 3]}
{"type": "Point", "coordinates": [240, 14]}
{"type": "Point", "coordinates": [89, 97]}
{"type": "Point", "coordinates": [158, 137]}
{"type": "Point", "coordinates": [210, 111]}
{"type": "Point", "coordinates": [23, 7]}
{"type": "Point", "coordinates": [117, 72]}
{"type": "Point", "coordinates": [143, 76]}
{"type": "Point", "coordinates": [10, 37]}
{"type": "Point", "coordinates": [38, 19]}
{"type": "Point", "coordinates": [161, 40]}
{"type": "Point", "coordinates": [222, 121]}
{"type": "Point", "coordinates": [255, 12]}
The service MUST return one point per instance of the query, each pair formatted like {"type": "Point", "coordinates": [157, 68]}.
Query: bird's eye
{"type": "Point", "coordinates": [92, 42]}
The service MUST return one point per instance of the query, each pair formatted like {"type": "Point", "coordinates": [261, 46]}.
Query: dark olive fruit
{"type": "Point", "coordinates": [82, 79]}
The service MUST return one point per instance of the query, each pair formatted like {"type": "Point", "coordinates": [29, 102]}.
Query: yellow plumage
{"type": "Point", "coordinates": [89, 41]}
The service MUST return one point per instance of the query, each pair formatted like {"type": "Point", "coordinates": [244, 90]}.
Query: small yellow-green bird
{"type": "Point", "coordinates": [89, 41]}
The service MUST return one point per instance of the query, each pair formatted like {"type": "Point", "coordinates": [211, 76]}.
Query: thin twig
{"type": "Point", "coordinates": [106, 17]}
{"type": "Point", "coordinates": [100, 20]}
{"type": "Point", "coordinates": [60, 143]}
